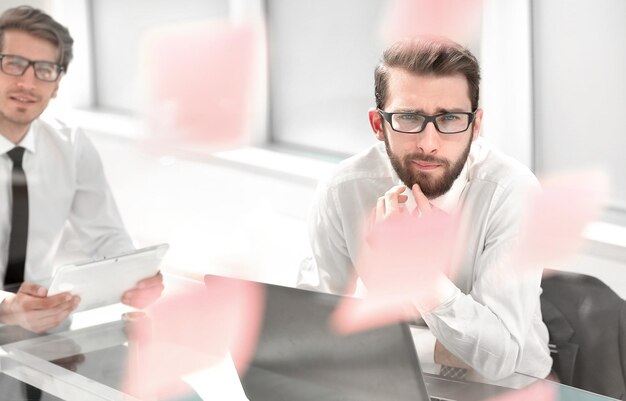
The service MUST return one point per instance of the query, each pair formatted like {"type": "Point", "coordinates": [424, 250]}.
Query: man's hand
{"type": "Point", "coordinates": [424, 207]}
{"type": "Point", "coordinates": [145, 292]}
{"type": "Point", "coordinates": [33, 310]}
{"type": "Point", "coordinates": [392, 203]}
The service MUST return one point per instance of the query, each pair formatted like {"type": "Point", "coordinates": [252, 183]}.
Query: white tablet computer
{"type": "Point", "coordinates": [102, 282]}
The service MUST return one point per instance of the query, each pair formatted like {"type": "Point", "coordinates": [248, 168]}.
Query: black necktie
{"type": "Point", "coordinates": [19, 221]}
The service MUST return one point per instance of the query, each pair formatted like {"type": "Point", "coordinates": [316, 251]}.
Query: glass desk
{"type": "Point", "coordinates": [78, 363]}
{"type": "Point", "coordinates": [87, 360]}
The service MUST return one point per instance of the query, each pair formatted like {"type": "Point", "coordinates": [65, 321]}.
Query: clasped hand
{"type": "Point", "coordinates": [393, 203]}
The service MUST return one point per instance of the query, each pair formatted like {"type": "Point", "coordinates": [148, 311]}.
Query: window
{"type": "Point", "coordinates": [118, 28]}
{"type": "Point", "coordinates": [322, 56]}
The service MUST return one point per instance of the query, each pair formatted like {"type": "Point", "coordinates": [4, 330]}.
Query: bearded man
{"type": "Point", "coordinates": [430, 155]}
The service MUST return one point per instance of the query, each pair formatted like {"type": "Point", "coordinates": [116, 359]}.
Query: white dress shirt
{"type": "Point", "coordinates": [489, 313]}
{"type": "Point", "coordinates": [66, 184]}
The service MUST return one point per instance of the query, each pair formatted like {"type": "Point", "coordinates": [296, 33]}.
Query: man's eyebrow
{"type": "Point", "coordinates": [439, 110]}
{"type": "Point", "coordinates": [408, 110]}
{"type": "Point", "coordinates": [27, 59]}
{"type": "Point", "coordinates": [451, 110]}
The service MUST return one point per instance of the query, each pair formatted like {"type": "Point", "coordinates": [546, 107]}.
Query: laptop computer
{"type": "Point", "coordinates": [299, 357]}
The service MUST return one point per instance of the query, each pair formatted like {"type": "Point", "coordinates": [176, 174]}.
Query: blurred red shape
{"type": "Point", "coordinates": [400, 264]}
{"type": "Point", "coordinates": [556, 217]}
{"type": "Point", "coordinates": [538, 391]}
{"type": "Point", "coordinates": [199, 84]}
{"type": "Point", "coordinates": [192, 330]}
{"type": "Point", "coordinates": [459, 20]}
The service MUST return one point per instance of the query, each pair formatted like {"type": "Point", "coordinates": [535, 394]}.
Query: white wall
{"type": "Point", "coordinates": [506, 69]}
{"type": "Point", "coordinates": [322, 56]}
{"type": "Point", "coordinates": [580, 88]}
{"type": "Point", "coordinates": [42, 4]}
{"type": "Point", "coordinates": [78, 83]}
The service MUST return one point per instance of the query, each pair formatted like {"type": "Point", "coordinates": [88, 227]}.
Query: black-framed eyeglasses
{"type": "Point", "coordinates": [414, 123]}
{"type": "Point", "coordinates": [17, 66]}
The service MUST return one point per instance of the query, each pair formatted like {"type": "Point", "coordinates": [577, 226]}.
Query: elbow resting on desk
{"type": "Point", "coordinates": [499, 367]}
{"type": "Point", "coordinates": [493, 369]}
{"type": "Point", "coordinates": [499, 360]}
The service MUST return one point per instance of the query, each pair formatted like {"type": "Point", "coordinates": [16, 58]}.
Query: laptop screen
{"type": "Point", "coordinates": [299, 357]}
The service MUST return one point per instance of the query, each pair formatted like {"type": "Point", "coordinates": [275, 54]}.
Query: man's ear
{"type": "Point", "coordinates": [478, 120]}
{"type": "Point", "coordinates": [377, 123]}
{"type": "Point", "coordinates": [56, 87]}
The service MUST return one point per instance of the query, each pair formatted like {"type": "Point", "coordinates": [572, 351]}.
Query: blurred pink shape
{"type": "Point", "coordinates": [400, 263]}
{"type": "Point", "coordinates": [459, 20]}
{"type": "Point", "coordinates": [190, 331]}
{"type": "Point", "coordinates": [199, 81]}
{"type": "Point", "coordinates": [538, 391]}
{"type": "Point", "coordinates": [557, 216]}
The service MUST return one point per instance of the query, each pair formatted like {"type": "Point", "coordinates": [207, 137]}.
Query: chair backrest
{"type": "Point", "coordinates": [587, 325]}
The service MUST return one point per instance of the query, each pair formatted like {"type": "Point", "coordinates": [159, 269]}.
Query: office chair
{"type": "Point", "coordinates": [587, 325]}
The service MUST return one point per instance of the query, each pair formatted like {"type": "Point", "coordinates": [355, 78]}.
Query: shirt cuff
{"type": "Point", "coordinates": [443, 292]}
{"type": "Point", "coordinates": [424, 344]}
{"type": "Point", "coordinates": [4, 295]}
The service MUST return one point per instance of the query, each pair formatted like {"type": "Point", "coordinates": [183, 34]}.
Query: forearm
{"type": "Point", "coordinates": [476, 337]}
{"type": "Point", "coordinates": [445, 357]}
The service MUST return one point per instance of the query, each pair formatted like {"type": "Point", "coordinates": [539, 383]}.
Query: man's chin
{"type": "Point", "coordinates": [428, 179]}
{"type": "Point", "coordinates": [432, 188]}
{"type": "Point", "coordinates": [22, 117]}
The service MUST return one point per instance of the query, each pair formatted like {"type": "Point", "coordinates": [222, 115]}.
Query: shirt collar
{"type": "Point", "coordinates": [447, 202]}
{"type": "Point", "coordinates": [28, 142]}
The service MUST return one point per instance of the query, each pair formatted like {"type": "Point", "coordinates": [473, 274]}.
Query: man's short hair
{"type": "Point", "coordinates": [426, 56]}
{"type": "Point", "coordinates": [39, 24]}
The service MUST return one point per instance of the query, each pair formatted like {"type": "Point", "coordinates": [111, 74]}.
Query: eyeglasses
{"type": "Point", "coordinates": [17, 66]}
{"type": "Point", "coordinates": [414, 123]}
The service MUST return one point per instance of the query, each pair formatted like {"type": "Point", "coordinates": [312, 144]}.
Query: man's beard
{"type": "Point", "coordinates": [431, 187]}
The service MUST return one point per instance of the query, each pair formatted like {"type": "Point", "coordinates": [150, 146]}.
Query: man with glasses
{"type": "Point", "coordinates": [50, 175]}
{"type": "Point", "coordinates": [431, 157]}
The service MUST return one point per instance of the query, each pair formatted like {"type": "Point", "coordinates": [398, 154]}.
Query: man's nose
{"type": "Point", "coordinates": [28, 79]}
{"type": "Point", "coordinates": [427, 141]}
